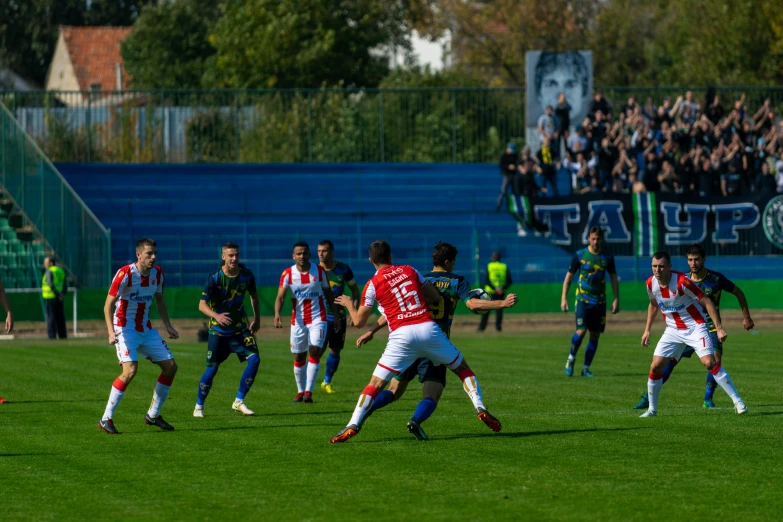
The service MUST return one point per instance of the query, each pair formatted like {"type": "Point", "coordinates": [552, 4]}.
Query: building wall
{"type": "Point", "coordinates": [62, 76]}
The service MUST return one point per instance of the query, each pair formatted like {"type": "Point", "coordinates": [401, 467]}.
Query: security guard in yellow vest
{"type": "Point", "coordinates": [497, 282]}
{"type": "Point", "coordinates": [53, 289]}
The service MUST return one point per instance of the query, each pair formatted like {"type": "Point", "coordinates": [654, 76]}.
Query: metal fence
{"type": "Point", "coordinates": [316, 125]}
{"type": "Point", "coordinates": [51, 212]}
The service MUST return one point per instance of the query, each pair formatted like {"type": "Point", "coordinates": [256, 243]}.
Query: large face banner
{"type": "Point", "coordinates": [549, 74]}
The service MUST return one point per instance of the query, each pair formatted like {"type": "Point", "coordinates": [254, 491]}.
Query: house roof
{"type": "Point", "coordinates": [95, 53]}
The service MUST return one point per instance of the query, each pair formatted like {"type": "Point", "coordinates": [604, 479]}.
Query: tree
{"type": "Point", "coordinates": [305, 43]}
{"type": "Point", "coordinates": [169, 45]}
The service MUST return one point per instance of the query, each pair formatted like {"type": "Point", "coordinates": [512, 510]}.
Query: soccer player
{"type": "Point", "coordinates": [339, 275]}
{"type": "Point", "coordinates": [712, 284]}
{"type": "Point", "coordinates": [403, 297]}
{"type": "Point", "coordinates": [130, 330]}
{"type": "Point", "coordinates": [9, 318]}
{"type": "Point", "coordinates": [223, 301]}
{"type": "Point", "coordinates": [310, 294]}
{"type": "Point", "coordinates": [593, 264]}
{"type": "Point", "coordinates": [452, 289]}
{"type": "Point", "coordinates": [678, 297]}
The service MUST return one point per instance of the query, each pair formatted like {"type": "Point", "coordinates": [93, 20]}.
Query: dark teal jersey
{"type": "Point", "coordinates": [452, 289]}
{"type": "Point", "coordinates": [226, 294]}
{"type": "Point", "coordinates": [713, 285]}
{"type": "Point", "coordinates": [592, 268]}
{"type": "Point", "coordinates": [339, 277]}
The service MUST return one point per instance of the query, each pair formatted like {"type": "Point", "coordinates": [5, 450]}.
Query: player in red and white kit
{"type": "Point", "coordinates": [131, 294]}
{"type": "Point", "coordinates": [310, 295]}
{"type": "Point", "coordinates": [679, 299]}
{"type": "Point", "coordinates": [404, 298]}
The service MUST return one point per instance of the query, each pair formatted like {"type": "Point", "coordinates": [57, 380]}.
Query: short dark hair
{"type": "Point", "coordinates": [380, 252]}
{"type": "Point", "coordinates": [328, 243]}
{"type": "Point", "coordinates": [696, 250]}
{"type": "Point", "coordinates": [596, 230]}
{"type": "Point", "coordinates": [141, 243]}
{"type": "Point", "coordinates": [443, 252]}
{"type": "Point", "coordinates": [663, 255]}
{"type": "Point", "coordinates": [301, 244]}
{"type": "Point", "coordinates": [230, 245]}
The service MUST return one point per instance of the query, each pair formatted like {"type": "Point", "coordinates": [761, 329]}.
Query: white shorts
{"type": "Point", "coordinates": [408, 343]}
{"type": "Point", "coordinates": [674, 341]}
{"type": "Point", "coordinates": [303, 337]}
{"type": "Point", "coordinates": [149, 344]}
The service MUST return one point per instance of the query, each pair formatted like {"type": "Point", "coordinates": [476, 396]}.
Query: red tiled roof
{"type": "Point", "coordinates": [95, 53]}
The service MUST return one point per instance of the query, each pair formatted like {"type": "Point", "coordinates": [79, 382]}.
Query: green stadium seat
{"type": "Point", "coordinates": [18, 247]}
{"type": "Point", "coordinates": [4, 223]}
{"type": "Point", "coordinates": [8, 235]}
{"type": "Point", "coordinates": [3, 246]}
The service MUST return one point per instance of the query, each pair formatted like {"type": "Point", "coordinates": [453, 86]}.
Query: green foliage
{"type": "Point", "coordinates": [304, 43]}
{"type": "Point", "coordinates": [169, 46]}
{"type": "Point", "coordinates": [211, 137]}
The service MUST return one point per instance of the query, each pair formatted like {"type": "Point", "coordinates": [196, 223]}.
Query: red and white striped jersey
{"type": "Point", "coordinates": [308, 302]}
{"type": "Point", "coordinates": [135, 293]}
{"type": "Point", "coordinates": [398, 292]}
{"type": "Point", "coordinates": [678, 301]}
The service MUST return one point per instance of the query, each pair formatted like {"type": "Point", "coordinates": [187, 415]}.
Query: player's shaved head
{"type": "Point", "coordinates": [443, 252]}
{"type": "Point", "coordinates": [663, 255]}
{"type": "Point", "coordinates": [326, 243]}
{"type": "Point", "coordinates": [141, 244]}
{"type": "Point", "coordinates": [380, 252]}
{"type": "Point", "coordinates": [229, 246]}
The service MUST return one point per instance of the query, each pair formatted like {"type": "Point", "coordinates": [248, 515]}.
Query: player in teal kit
{"type": "Point", "coordinates": [592, 264]}
{"type": "Point", "coordinates": [223, 301]}
{"type": "Point", "coordinates": [713, 284]}
{"type": "Point", "coordinates": [339, 275]}
{"type": "Point", "coordinates": [452, 288]}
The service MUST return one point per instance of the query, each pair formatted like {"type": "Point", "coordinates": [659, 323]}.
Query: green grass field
{"type": "Point", "coordinates": [570, 449]}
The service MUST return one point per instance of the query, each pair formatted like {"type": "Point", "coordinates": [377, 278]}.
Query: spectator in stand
{"type": "Point", "coordinates": [577, 139]}
{"type": "Point", "coordinates": [547, 125]}
{"type": "Point", "coordinates": [704, 176]}
{"type": "Point", "coordinates": [684, 171]}
{"type": "Point", "coordinates": [599, 103]}
{"type": "Point", "coordinates": [545, 165]}
{"type": "Point", "coordinates": [667, 178]}
{"type": "Point", "coordinates": [508, 168]}
{"type": "Point", "coordinates": [563, 117]}
{"type": "Point", "coordinates": [731, 181]}
{"type": "Point", "coordinates": [765, 181]}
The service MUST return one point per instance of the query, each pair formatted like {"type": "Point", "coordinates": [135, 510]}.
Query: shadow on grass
{"type": "Point", "coordinates": [27, 454]}
{"type": "Point", "coordinates": [56, 401]}
{"type": "Point", "coordinates": [510, 435]}
{"type": "Point", "coordinates": [256, 427]}
{"type": "Point", "coordinates": [766, 413]}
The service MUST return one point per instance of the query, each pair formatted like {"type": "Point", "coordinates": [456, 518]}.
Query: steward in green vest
{"type": "Point", "coordinates": [497, 282]}
{"type": "Point", "coordinates": [53, 289]}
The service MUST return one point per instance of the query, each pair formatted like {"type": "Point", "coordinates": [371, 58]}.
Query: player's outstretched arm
{"type": "Point", "coordinates": [651, 313]}
{"type": "Point", "coordinates": [475, 304]}
{"type": "Point", "coordinates": [564, 296]}
{"type": "Point", "coordinates": [163, 311]}
{"type": "Point", "coordinates": [9, 318]}
{"type": "Point", "coordinates": [256, 305]}
{"type": "Point", "coordinates": [279, 306]}
{"type": "Point", "coordinates": [706, 302]}
{"type": "Point", "coordinates": [616, 292]}
{"type": "Point", "coordinates": [358, 317]}
{"type": "Point", "coordinates": [747, 321]}
{"type": "Point", "coordinates": [430, 294]}
{"type": "Point", "coordinates": [367, 337]}
{"type": "Point", "coordinates": [108, 314]}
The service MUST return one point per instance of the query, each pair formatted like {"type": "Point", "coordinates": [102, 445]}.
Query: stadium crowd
{"type": "Point", "coordinates": [681, 146]}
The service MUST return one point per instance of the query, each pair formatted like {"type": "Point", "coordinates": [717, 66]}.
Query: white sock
{"type": "Point", "coordinates": [654, 385]}
{"type": "Point", "coordinates": [363, 406]}
{"type": "Point", "coordinates": [471, 386]}
{"type": "Point", "coordinates": [723, 379]}
{"type": "Point", "coordinates": [115, 396]}
{"type": "Point", "coordinates": [300, 374]}
{"type": "Point", "coordinates": [160, 395]}
{"type": "Point", "coordinates": [313, 365]}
